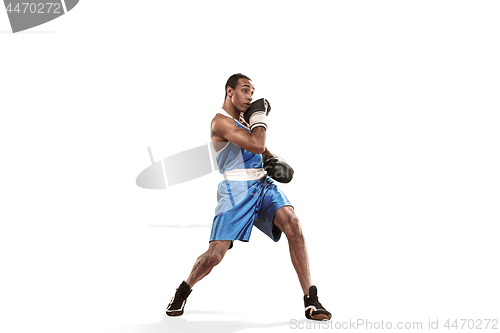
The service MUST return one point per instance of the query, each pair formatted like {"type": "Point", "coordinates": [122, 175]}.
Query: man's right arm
{"type": "Point", "coordinates": [254, 142]}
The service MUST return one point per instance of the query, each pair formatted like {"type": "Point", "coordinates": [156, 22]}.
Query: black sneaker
{"type": "Point", "coordinates": [176, 305]}
{"type": "Point", "coordinates": [314, 309]}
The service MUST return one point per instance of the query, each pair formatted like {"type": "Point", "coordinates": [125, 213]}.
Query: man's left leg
{"type": "Point", "coordinates": [286, 220]}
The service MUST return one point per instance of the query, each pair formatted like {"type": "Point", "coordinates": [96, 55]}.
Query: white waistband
{"type": "Point", "coordinates": [244, 174]}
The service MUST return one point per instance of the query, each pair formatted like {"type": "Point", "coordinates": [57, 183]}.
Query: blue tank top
{"type": "Point", "coordinates": [233, 157]}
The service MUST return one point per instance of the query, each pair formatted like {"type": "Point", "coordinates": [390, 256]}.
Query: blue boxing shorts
{"type": "Point", "coordinates": [242, 204]}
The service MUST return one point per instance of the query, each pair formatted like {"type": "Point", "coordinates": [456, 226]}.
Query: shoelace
{"type": "Point", "coordinates": [178, 299]}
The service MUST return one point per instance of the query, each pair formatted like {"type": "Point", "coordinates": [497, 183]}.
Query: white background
{"type": "Point", "coordinates": [387, 110]}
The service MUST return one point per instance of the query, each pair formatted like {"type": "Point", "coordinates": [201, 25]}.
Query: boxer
{"type": "Point", "coordinates": [248, 196]}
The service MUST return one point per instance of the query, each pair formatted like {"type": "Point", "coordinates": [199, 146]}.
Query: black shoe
{"type": "Point", "coordinates": [314, 309]}
{"type": "Point", "coordinates": [176, 305]}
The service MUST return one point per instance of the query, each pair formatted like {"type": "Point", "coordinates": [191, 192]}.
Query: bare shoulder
{"type": "Point", "coordinates": [217, 117]}
{"type": "Point", "coordinates": [222, 121]}
{"type": "Point", "coordinates": [219, 126]}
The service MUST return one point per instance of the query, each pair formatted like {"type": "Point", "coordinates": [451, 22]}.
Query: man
{"type": "Point", "coordinates": [248, 196]}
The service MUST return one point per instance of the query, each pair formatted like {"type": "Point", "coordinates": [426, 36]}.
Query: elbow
{"type": "Point", "coordinates": [257, 148]}
{"type": "Point", "coordinates": [260, 149]}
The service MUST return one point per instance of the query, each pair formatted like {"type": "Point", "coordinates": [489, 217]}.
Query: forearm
{"type": "Point", "coordinates": [258, 140]}
{"type": "Point", "coordinates": [256, 116]}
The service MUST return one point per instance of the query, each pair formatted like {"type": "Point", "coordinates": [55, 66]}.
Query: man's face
{"type": "Point", "coordinates": [241, 96]}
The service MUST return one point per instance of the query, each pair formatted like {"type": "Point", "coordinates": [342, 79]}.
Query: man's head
{"type": "Point", "coordinates": [239, 89]}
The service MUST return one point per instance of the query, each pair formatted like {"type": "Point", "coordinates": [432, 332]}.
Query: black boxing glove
{"type": "Point", "coordinates": [278, 169]}
{"type": "Point", "coordinates": [256, 114]}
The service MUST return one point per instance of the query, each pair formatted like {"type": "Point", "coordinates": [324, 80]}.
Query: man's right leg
{"type": "Point", "coordinates": [202, 267]}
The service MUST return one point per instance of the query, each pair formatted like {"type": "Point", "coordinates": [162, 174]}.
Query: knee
{"type": "Point", "coordinates": [292, 228]}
